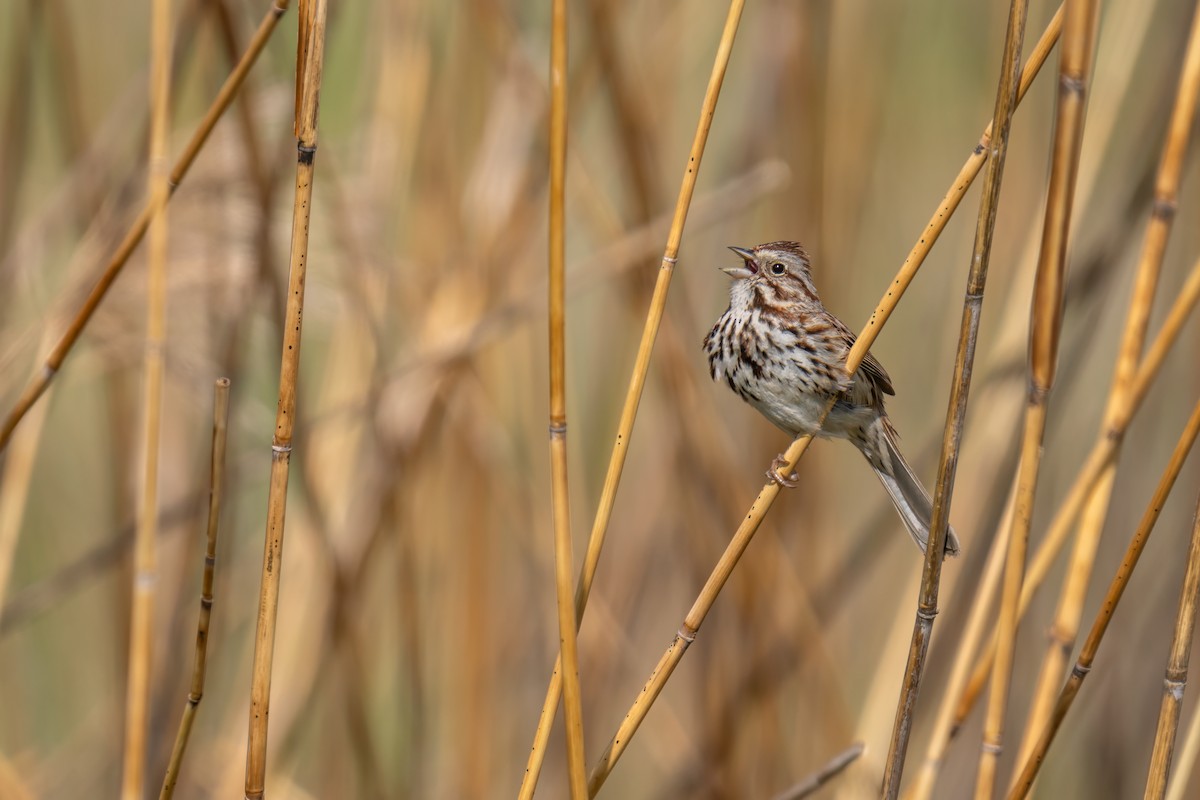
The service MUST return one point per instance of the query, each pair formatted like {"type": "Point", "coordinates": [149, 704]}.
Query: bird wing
{"type": "Point", "coordinates": [870, 367]}
{"type": "Point", "coordinates": [877, 374]}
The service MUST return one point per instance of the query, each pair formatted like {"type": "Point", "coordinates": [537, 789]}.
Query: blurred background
{"type": "Point", "coordinates": [417, 625]}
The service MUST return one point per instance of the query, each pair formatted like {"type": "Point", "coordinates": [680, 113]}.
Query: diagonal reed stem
{"type": "Point", "coordinates": [964, 362]}
{"type": "Point", "coordinates": [1102, 453]}
{"type": "Point", "coordinates": [41, 379]}
{"type": "Point", "coordinates": [637, 382]}
{"type": "Point", "coordinates": [1175, 680]}
{"type": "Point", "coordinates": [563, 558]}
{"type": "Point", "coordinates": [216, 483]}
{"type": "Point", "coordinates": [310, 63]}
{"type": "Point", "coordinates": [1112, 598]}
{"type": "Point", "coordinates": [141, 612]}
{"type": "Point", "coordinates": [758, 509]}
{"type": "Point", "coordinates": [1067, 618]}
{"type": "Point", "coordinates": [973, 632]}
{"type": "Point", "coordinates": [1076, 55]}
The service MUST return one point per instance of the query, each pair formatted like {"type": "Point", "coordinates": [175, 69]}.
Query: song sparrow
{"type": "Point", "coordinates": [783, 353]}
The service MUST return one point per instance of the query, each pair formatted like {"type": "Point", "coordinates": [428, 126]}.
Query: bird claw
{"type": "Point", "coordinates": [790, 482]}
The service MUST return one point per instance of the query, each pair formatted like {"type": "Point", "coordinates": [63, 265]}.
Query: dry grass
{"type": "Point", "coordinates": [416, 625]}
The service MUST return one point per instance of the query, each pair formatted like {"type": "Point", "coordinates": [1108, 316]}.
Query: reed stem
{"type": "Point", "coordinates": [960, 386]}
{"type": "Point", "coordinates": [310, 63]}
{"type": "Point", "coordinates": [216, 483]}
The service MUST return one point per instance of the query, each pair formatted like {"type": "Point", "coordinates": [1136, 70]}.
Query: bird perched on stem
{"type": "Point", "coordinates": [782, 352]}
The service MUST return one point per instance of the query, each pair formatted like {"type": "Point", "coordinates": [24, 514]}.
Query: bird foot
{"type": "Point", "coordinates": [790, 482]}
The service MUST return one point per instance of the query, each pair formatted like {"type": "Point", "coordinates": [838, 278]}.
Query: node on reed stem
{"type": "Point", "coordinates": [1175, 680]}
{"type": "Point", "coordinates": [216, 483]}
{"type": "Point", "coordinates": [1112, 598]}
{"type": "Point", "coordinates": [310, 63]}
{"type": "Point", "coordinates": [964, 362]}
{"type": "Point", "coordinates": [1063, 630]}
{"type": "Point", "coordinates": [633, 395]}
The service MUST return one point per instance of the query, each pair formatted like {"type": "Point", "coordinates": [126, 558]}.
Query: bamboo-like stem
{"type": "Point", "coordinates": [310, 63]}
{"type": "Point", "coordinates": [1112, 598]}
{"type": "Point", "coordinates": [1075, 67]}
{"type": "Point", "coordinates": [141, 612]}
{"type": "Point", "coordinates": [960, 386]}
{"type": "Point", "coordinates": [1102, 453]}
{"type": "Point", "coordinates": [758, 509]}
{"type": "Point", "coordinates": [637, 382]}
{"type": "Point", "coordinates": [1179, 779]}
{"type": "Point", "coordinates": [958, 189]}
{"type": "Point", "coordinates": [41, 378]}
{"type": "Point", "coordinates": [1166, 188]}
{"type": "Point", "coordinates": [977, 621]}
{"type": "Point", "coordinates": [216, 480]}
{"type": "Point", "coordinates": [560, 496]}
{"type": "Point", "coordinates": [1175, 680]}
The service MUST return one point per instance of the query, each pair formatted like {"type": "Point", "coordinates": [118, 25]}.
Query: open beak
{"type": "Point", "coordinates": [746, 271]}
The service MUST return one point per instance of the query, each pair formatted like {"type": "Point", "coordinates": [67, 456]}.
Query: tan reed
{"type": "Point", "coordinates": [960, 386]}
{"type": "Point", "coordinates": [637, 383]}
{"type": "Point", "coordinates": [145, 568]}
{"type": "Point", "coordinates": [309, 66]}
{"type": "Point", "coordinates": [216, 483]}
{"type": "Point", "coordinates": [979, 618]}
{"type": "Point", "coordinates": [1175, 680]}
{"type": "Point", "coordinates": [560, 495]}
{"type": "Point", "coordinates": [758, 509]}
{"type": "Point", "coordinates": [1112, 599]}
{"type": "Point", "coordinates": [1102, 452]}
{"type": "Point", "coordinates": [1075, 66]}
{"type": "Point", "coordinates": [1063, 630]}
{"type": "Point", "coordinates": [41, 379]}
{"type": "Point", "coordinates": [1185, 762]}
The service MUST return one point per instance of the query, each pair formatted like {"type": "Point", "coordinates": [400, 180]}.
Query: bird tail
{"type": "Point", "coordinates": [908, 495]}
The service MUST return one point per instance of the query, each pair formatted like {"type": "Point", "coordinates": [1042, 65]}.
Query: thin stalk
{"type": "Point", "coordinates": [563, 557]}
{"type": "Point", "coordinates": [1166, 189]}
{"type": "Point", "coordinates": [749, 524]}
{"type": "Point", "coordinates": [1175, 680]}
{"type": "Point", "coordinates": [145, 571]}
{"type": "Point", "coordinates": [960, 386]}
{"type": "Point", "coordinates": [1102, 453]}
{"type": "Point", "coordinates": [41, 378]}
{"type": "Point", "coordinates": [1075, 67]}
{"type": "Point", "coordinates": [977, 621]}
{"type": "Point", "coordinates": [310, 62]}
{"type": "Point", "coordinates": [637, 382]}
{"type": "Point", "coordinates": [1112, 598]}
{"type": "Point", "coordinates": [1177, 788]}
{"type": "Point", "coordinates": [216, 480]}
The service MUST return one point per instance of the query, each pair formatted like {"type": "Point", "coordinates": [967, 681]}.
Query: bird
{"type": "Point", "coordinates": [779, 349]}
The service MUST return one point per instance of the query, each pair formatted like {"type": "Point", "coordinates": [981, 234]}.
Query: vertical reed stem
{"type": "Point", "coordinates": [41, 378]}
{"type": "Point", "coordinates": [1074, 68]}
{"type": "Point", "coordinates": [1112, 598]}
{"type": "Point", "coordinates": [563, 557]}
{"type": "Point", "coordinates": [310, 62]}
{"type": "Point", "coordinates": [633, 396]}
{"type": "Point", "coordinates": [141, 625]}
{"type": "Point", "coordinates": [1175, 680]}
{"type": "Point", "coordinates": [1166, 188]}
{"type": "Point", "coordinates": [964, 361]}
{"type": "Point", "coordinates": [216, 481]}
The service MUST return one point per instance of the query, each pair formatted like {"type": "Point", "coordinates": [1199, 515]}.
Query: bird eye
{"type": "Point", "coordinates": [778, 269]}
